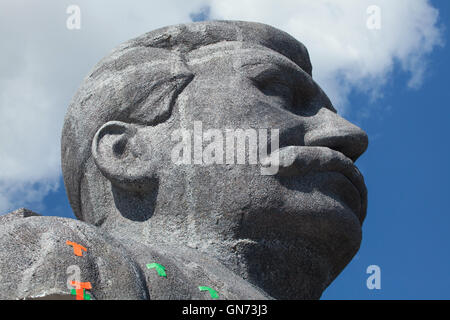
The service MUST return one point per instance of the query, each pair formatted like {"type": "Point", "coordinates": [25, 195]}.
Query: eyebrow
{"type": "Point", "coordinates": [215, 50]}
{"type": "Point", "coordinates": [280, 67]}
{"type": "Point", "coordinates": [280, 61]}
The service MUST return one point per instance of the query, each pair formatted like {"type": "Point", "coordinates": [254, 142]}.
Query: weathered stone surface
{"type": "Point", "coordinates": [35, 261]}
{"type": "Point", "coordinates": [226, 226]}
{"type": "Point", "coordinates": [17, 214]}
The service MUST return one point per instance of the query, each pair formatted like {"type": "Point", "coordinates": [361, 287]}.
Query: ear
{"type": "Point", "coordinates": [115, 154]}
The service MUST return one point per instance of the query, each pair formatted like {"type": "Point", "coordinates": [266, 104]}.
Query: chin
{"type": "Point", "coordinates": [308, 249]}
{"type": "Point", "coordinates": [334, 232]}
{"type": "Point", "coordinates": [316, 225]}
{"type": "Point", "coordinates": [338, 238]}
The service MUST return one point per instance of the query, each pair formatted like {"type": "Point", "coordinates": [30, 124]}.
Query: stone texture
{"type": "Point", "coordinates": [227, 226]}
{"type": "Point", "coordinates": [17, 215]}
{"type": "Point", "coordinates": [35, 260]}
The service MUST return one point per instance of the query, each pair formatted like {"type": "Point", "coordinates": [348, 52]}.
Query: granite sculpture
{"type": "Point", "coordinates": [220, 224]}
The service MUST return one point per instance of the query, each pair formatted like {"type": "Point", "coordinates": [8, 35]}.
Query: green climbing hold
{"type": "Point", "coordinates": [214, 294]}
{"type": "Point", "coordinates": [85, 295]}
{"type": "Point", "coordinates": [159, 268]}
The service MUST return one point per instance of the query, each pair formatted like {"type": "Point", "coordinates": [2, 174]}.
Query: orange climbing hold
{"type": "Point", "coordinates": [79, 288]}
{"type": "Point", "coordinates": [76, 248]}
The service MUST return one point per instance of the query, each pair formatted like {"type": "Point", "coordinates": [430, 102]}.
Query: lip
{"type": "Point", "coordinates": [300, 160]}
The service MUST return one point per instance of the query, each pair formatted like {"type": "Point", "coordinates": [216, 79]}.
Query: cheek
{"type": "Point", "coordinates": [154, 146]}
{"type": "Point", "coordinates": [245, 190]}
{"type": "Point", "coordinates": [221, 187]}
{"type": "Point", "coordinates": [231, 189]}
{"type": "Point", "coordinates": [149, 145]}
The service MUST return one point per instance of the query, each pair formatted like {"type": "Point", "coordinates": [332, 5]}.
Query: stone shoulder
{"type": "Point", "coordinates": [38, 258]}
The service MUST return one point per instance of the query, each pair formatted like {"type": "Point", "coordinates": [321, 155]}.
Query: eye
{"type": "Point", "coordinates": [289, 88]}
{"type": "Point", "coordinates": [276, 89]}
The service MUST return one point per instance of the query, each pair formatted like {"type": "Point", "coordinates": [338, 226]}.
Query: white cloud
{"type": "Point", "coordinates": [42, 63]}
{"type": "Point", "coordinates": [345, 53]}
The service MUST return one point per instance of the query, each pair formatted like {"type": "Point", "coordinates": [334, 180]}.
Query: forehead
{"type": "Point", "coordinates": [235, 56]}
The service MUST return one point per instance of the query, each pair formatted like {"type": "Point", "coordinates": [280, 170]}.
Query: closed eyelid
{"type": "Point", "coordinates": [304, 91]}
{"type": "Point", "coordinates": [280, 71]}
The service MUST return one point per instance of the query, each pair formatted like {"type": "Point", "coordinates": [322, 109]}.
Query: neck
{"type": "Point", "coordinates": [281, 272]}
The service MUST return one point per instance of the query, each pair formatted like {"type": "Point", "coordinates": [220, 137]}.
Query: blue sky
{"type": "Point", "coordinates": [406, 166]}
{"type": "Point", "coordinates": [406, 169]}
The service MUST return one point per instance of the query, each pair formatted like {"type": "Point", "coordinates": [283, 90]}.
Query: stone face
{"type": "Point", "coordinates": [221, 224]}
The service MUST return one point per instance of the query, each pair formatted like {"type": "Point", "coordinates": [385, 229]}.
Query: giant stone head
{"type": "Point", "coordinates": [290, 232]}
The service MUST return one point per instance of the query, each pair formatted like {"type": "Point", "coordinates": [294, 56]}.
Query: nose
{"type": "Point", "coordinates": [328, 129]}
